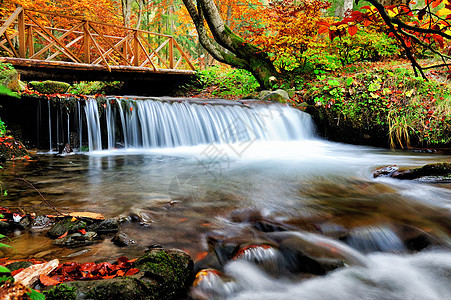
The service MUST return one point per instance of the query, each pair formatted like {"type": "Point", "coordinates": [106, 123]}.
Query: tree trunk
{"type": "Point", "coordinates": [126, 11]}
{"type": "Point", "coordinates": [240, 54]}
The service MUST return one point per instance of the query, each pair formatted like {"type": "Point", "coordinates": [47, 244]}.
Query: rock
{"type": "Point", "coordinates": [438, 172]}
{"type": "Point", "coordinates": [105, 226]}
{"type": "Point", "coordinates": [9, 77]}
{"type": "Point", "coordinates": [11, 149]}
{"type": "Point", "coordinates": [41, 222]}
{"type": "Point", "coordinates": [25, 222]}
{"type": "Point", "coordinates": [375, 239]}
{"type": "Point", "coordinates": [122, 240]}
{"type": "Point", "coordinates": [76, 239]}
{"type": "Point", "coordinates": [277, 95]}
{"type": "Point", "coordinates": [170, 271]}
{"type": "Point", "coordinates": [385, 171]}
{"type": "Point", "coordinates": [164, 274]}
{"type": "Point", "coordinates": [49, 87]}
{"type": "Point", "coordinates": [19, 265]}
{"type": "Point", "coordinates": [66, 225]}
{"type": "Point", "coordinates": [4, 227]}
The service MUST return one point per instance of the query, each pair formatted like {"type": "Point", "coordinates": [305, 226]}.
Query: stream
{"type": "Point", "coordinates": [180, 192]}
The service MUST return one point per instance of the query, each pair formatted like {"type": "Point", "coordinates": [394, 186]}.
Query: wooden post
{"type": "Point", "coordinates": [21, 30]}
{"type": "Point", "coordinates": [30, 41]}
{"type": "Point", "coordinates": [135, 49]}
{"type": "Point", "coordinates": [171, 52]}
{"type": "Point", "coordinates": [86, 48]}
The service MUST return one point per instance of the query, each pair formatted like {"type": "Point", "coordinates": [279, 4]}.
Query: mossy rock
{"type": "Point", "coordinates": [277, 95]}
{"type": "Point", "coordinates": [171, 272]}
{"type": "Point", "coordinates": [164, 274]}
{"type": "Point", "coordinates": [49, 86]}
{"type": "Point", "coordinates": [66, 225]}
{"type": "Point", "coordinates": [10, 79]}
{"type": "Point", "coordinates": [117, 288]}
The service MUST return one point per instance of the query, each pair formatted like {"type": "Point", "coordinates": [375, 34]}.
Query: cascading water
{"type": "Point", "coordinates": [157, 124]}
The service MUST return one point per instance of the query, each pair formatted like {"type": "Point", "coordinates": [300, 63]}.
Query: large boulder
{"type": "Point", "coordinates": [11, 149]}
{"type": "Point", "coordinates": [49, 86]}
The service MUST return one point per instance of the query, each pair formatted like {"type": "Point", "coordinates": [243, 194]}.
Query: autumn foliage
{"type": "Point", "coordinates": [288, 29]}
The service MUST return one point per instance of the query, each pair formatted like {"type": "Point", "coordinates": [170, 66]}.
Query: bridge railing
{"type": "Point", "coordinates": [29, 34]}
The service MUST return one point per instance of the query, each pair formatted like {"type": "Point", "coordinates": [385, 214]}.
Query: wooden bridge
{"type": "Point", "coordinates": [77, 49]}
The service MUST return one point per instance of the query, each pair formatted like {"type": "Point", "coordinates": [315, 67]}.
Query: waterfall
{"type": "Point", "coordinates": [160, 123]}
{"type": "Point", "coordinates": [50, 127]}
{"type": "Point", "coordinates": [93, 122]}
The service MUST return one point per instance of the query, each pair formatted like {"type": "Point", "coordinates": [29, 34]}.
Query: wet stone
{"type": "Point", "coordinates": [66, 225]}
{"type": "Point", "coordinates": [105, 226]}
{"type": "Point", "coordinates": [77, 239]}
{"type": "Point", "coordinates": [4, 227]}
{"type": "Point", "coordinates": [41, 222]}
{"type": "Point", "coordinates": [19, 265]}
{"type": "Point", "coordinates": [122, 240]}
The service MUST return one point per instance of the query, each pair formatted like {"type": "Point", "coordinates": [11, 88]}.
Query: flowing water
{"type": "Point", "coordinates": [180, 173]}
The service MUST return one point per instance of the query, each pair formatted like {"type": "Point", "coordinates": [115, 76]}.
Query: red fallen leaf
{"type": "Point", "coordinates": [13, 273]}
{"type": "Point", "coordinates": [47, 281]}
{"type": "Point", "coordinates": [87, 267]}
{"type": "Point", "coordinates": [352, 30]}
{"type": "Point", "coordinates": [70, 267]}
{"type": "Point", "coordinates": [132, 260]}
{"type": "Point", "coordinates": [63, 235]}
{"type": "Point", "coordinates": [201, 255]}
{"type": "Point", "coordinates": [131, 272]}
{"type": "Point", "coordinates": [82, 231]}
{"type": "Point", "coordinates": [109, 277]}
{"type": "Point", "coordinates": [120, 273]}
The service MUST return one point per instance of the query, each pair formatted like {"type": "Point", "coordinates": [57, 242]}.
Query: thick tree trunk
{"type": "Point", "coordinates": [240, 54]}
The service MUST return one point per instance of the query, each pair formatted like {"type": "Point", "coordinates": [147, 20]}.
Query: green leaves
{"type": "Point", "coordinates": [5, 91]}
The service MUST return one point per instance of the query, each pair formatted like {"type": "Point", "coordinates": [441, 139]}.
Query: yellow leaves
{"type": "Point", "coordinates": [443, 12]}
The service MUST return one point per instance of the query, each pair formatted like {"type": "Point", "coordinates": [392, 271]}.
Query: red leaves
{"type": "Point", "coordinates": [89, 271]}
{"type": "Point", "coordinates": [64, 235]}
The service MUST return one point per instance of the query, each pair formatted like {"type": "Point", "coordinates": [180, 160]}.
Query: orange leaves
{"type": "Point", "coordinates": [47, 281]}
{"type": "Point", "coordinates": [74, 271]}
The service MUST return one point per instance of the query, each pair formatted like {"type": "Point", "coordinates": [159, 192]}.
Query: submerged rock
{"type": "Point", "coordinates": [122, 240]}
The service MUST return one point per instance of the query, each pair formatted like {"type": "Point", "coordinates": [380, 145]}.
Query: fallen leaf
{"type": "Point", "coordinates": [65, 234]}
{"type": "Point", "coordinates": [31, 274]}
{"type": "Point", "coordinates": [47, 281]}
{"type": "Point", "coordinates": [82, 231]}
{"type": "Point", "coordinates": [131, 272]}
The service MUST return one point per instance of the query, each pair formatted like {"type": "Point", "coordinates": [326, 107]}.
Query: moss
{"type": "Point", "coordinates": [169, 271]}
{"type": "Point", "coordinates": [60, 292]}
{"type": "Point", "coordinates": [49, 86]}
{"type": "Point", "coordinates": [434, 170]}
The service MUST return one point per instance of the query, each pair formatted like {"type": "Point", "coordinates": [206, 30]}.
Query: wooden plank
{"type": "Point", "coordinates": [74, 57]}
{"type": "Point", "coordinates": [110, 44]}
{"type": "Point", "coordinates": [21, 30]}
{"type": "Point", "coordinates": [171, 53]}
{"type": "Point", "coordinates": [178, 62]}
{"type": "Point", "coordinates": [11, 45]}
{"type": "Point", "coordinates": [86, 48]}
{"type": "Point", "coordinates": [135, 48]}
{"type": "Point", "coordinates": [10, 20]}
{"type": "Point", "coordinates": [30, 41]}
{"type": "Point", "coordinates": [184, 55]}
{"type": "Point", "coordinates": [52, 43]}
